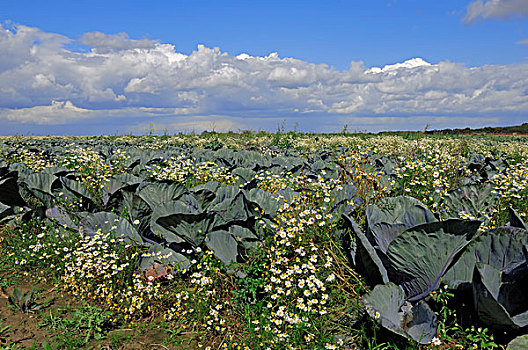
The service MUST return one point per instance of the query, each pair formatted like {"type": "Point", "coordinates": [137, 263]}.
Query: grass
{"type": "Point", "coordinates": [77, 327]}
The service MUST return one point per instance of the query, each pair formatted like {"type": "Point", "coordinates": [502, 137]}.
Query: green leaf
{"type": "Point", "coordinates": [118, 183]}
{"type": "Point", "coordinates": [499, 299]}
{"type": "Point", "coordinates": [223, 245]}
{"type": "Point", "coordinates": [343, 197]}
{"type": "Point", "coordinates": [244, 174]}
{"type": "Point", "coordinates": [61, 217]}
{"type": "Point", "coordinates": [9, 192]}
{"type": "Point", "coordinates": [393, 215]}
{"type": "Point", "coordinates": [499, 279]}
{"type": "Point", "coordinates": [107, 222]}
{"type": "Point", "coordinates": [518, 343]}
{"type": "Point", "coordinates": [245, 237]}
{"type": "Point", "coordinates": [43, 182]}
{"type": "Point", "coordinates": [160, 254]}
{"type": "Point", "coordinates": [471, 199]}
{"type": "Point", "coordinates": [502, 246]}
{"type": "Point", "coordinates": [420, 256]}
{"type": "Point", "coordinates": [138, 209]}
{"type": "Point", "coordinates": [366, 257]}
{"type": "Point", "coordinates": [250, 159]}
{"type": "Point", "coordinates": [159, 193]}
{"type": "Point", "coordinates": [265, 200]}
{"type": "Point", "coordinates": [231, 205]}
{"type": "Point", "coordinates": [56, 170]}
{"type": "Point", "coordinates": [182, 220]}
{"type": "Point", "coordinates": [515, 219]}
{"type": "Point", "coordinates": [205, 193]}
{"type": "Point", "coordinates": [387, 303]}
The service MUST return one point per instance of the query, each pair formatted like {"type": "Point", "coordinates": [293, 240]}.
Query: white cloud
{"type": "Point", "coordinates": [43, 82]}
{"type": "Point", "coordinates": [495, 9]}
{"type": "Point", "coordinates": [394, 68]}
{"type": "Point", "coordinates": [57, 112]}
{"type": "Point", "coordinates": [25, 43]}
{"type": "Point", "coordinates": [104, 43]}
{"type": "Point", "coordinates": [60, 112]}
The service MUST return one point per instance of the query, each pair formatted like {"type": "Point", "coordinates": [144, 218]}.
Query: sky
{"type": "Point", "coordinates": [119, 67]}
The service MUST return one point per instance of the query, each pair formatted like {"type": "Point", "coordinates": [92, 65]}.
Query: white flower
{"type": "Point", "coordinates": [301, 283]}
{"type": "Point", "coordinates": [436, 341]}
{"type": "Point", "coordinates": [377, 315]}
{"type": "Point", "coordinates": [136, 222]}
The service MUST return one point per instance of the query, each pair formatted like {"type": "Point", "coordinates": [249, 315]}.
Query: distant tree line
{"type": "Point", "coordinates": [515, 129]}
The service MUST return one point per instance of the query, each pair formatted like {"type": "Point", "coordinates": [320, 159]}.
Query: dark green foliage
{"type": "Point", "coordinates": [25, 301]}
{"type": "Point", "coordinates": [387, 303]}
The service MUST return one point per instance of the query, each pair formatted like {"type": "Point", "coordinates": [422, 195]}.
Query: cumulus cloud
{"type": "Point", "coordinates": [22, 43]}
{"type": "Point", "coordinates": [56, 112]}
{"type": "Point", "coordinates": [503, 9]}
{"type": "Point", "coordinates": [43, 82]}
{"type": "Point", "coordinates": [60, 112]}
{"type": "Point", "coordinates": [103, 42]}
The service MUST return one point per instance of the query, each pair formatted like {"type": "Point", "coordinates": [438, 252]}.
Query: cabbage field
{"type": "Point", "coordinates": [271, 241]}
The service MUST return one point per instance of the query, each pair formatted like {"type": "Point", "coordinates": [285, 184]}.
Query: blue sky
{"type": "Point", "coordinates": [74, 67]}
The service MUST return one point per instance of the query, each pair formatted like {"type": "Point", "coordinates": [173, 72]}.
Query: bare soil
{"type": "Point", "coordinates": [25, 331]}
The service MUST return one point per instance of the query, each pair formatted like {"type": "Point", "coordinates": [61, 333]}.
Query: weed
{"type": "Point", "coordinates": [451, 334]}
{"type": "Point", "coordinates": [4, 283]}
{"type": "Point", "coordinates": [3, 331]}
{"type": "Point", "coordinates": [445, 314]}
{"type": "Point", "coordinates": [86, 323]}
{"type": "Point", "coordinates": [25, 301]}
{"type": "Point", "coordinates": [117, 339]}
{"type": "Point", "coordinates": [480, 338]}
{"type": "Point", "coordinates": [250, 288]}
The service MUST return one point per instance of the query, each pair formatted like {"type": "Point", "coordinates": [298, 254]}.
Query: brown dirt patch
{"type": "Point", "coordinates": [23, 328]}
{"type": "Point", "coordinates": [24, 331]}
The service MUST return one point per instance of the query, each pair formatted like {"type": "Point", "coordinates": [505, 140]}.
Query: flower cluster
{"type": "Point", "coordinates": [270, 182]}
{"type": "Point", "coordinates": [92, 167]}
{"type": "Point", "coordinates": [370, 183]}
{"type": "Point", "coordinates": [299, 273]}
{"type": "Point", "coordinates": [175, 168]}
{"type": "Point", "coordinates": [35, 246]}
{"type": "Point", "coordinates": [34, 160]}
{"type": "Point", "coordinates": [430, 173]}
{"type": "Point", "coordinates": [102, 268]}
{"type": "Point", "coordinates": [513, 183]}
{"type": "Point", "coordinates": [182, 169]}
{"type": "Point", "coordinates": [201, 302]}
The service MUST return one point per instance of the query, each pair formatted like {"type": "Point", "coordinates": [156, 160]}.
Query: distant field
{"type": "Point", "coordinates": [498, 134]}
